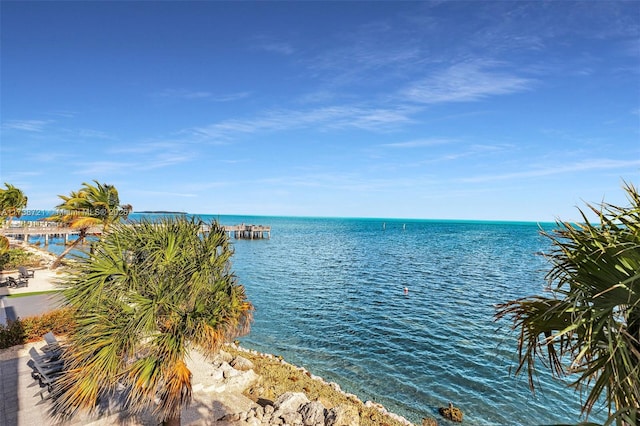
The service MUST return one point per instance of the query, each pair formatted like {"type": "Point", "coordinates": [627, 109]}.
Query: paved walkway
{"type": "Point", "coordinates": [22, 307]}
{"type": "Point", "coordinates": [21, 406]}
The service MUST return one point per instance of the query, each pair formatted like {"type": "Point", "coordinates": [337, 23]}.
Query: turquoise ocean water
{"type": "Point", "coordinates": [329, 296]}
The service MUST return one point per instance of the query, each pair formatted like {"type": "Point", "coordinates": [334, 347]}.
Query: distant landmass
{"type": "Point", "coordinates": [159, 212]}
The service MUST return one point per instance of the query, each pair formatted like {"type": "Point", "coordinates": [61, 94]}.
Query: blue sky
{"type": "Point", "coordinates": [440, 110]}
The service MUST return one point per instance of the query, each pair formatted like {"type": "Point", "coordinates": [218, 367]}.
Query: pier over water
{"type": "Point", "coordinates": [49, 230]}
{"type": "Point", "coordinates": [248, 232]}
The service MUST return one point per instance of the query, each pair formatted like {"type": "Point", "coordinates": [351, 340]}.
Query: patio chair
{"type": "Point", "coordinates": [46, 378]}
{"type": "Point", "coordinates": [26, 273]}
{"type": "Point", "coordinates": [53, 345]}
{"type": "Point", "coordinates": [16, 283]}
{"type": "Point", "coordinates": [49, 361]}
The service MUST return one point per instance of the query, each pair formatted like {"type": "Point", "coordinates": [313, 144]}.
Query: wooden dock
{"type": "Point", "coordinates": [47, 230]}
{"type": "Point", "coordinates": [248, 232]}
{"type": "Point", "coordinates": [52, 230]}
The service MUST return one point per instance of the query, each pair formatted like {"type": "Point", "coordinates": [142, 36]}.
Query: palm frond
{"type": "Point", "coordinates": [594, 318]}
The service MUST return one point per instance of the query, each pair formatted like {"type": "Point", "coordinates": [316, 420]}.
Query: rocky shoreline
{"type": "Point", "coordinates": [287, 394]}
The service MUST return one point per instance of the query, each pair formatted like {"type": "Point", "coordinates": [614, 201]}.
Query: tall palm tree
{"type": "Point", "coordinates": [90, 206]}
{"type": "Point", "coordinates": [591, 327]}
{"type": "Point", "coordinates": [12, 201]}
{"type": "Point", "coordinates": [147, 295]}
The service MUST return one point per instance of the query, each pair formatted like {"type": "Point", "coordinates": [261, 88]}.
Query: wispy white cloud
{"type": "Point", "coordinates": [62, 113]}
{"type": "Point", "coordinates": [582, 166]}
{"type": "Point", "coordinates": [230, 97]}
{"type": "Point", "coordinates": [268, 43]}
{"type": "Point", "coordinates": [183, 94]}
{"type": "Point", "coordinates": [162, 193]}
{"type": "Point", "coordinates": [93, 134]}
{"type": "Point", "coordinates": [201, 94]}
{"type": "Point", "coordinates": [93, 168]}
{"type": "Point", "coordinates": [464, 82]}
{"type": "Point", "coordinates": [332, 117]}
{"type": "Point", "coordinates": [27, 125]}
{"type": "Point", "coordinates": [148, 147]}
{"type": "Point", "coordinates": [133, 162]}
{"type": "Point", "coordinates": [419, 143]}
{"type": "Point", "coordinates": [165, 160]}
{"type": "Point", "coordinates": [51, 157]}
{"type": "Point", "coordinates": [281, 48]}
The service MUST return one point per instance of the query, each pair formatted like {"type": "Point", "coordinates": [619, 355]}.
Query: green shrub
{"type": "Point", "coordinates": [18, 257]}
{"type": "Point", "coordinates": [11, 334]}
{"type": "Point", "coordinates": [31, 329]}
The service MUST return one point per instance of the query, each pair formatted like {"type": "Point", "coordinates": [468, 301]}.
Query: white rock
{"type": "Point", "coordinates": [313, 413]}
{"type": "Point", "coordinates": [241, 382]}
{"type": "Point", "coordinates": [241, 363]}
{"type": "Point", "coordinates": [292, 418]}
{"type": "Point", "coordinates": [228, 371]}
{"type": "Point", "coordinates": [290, 401]}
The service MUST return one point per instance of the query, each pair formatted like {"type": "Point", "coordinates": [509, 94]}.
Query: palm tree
{"type": "Point", "coordinates": [12, 201]}
{"type": "Point", "coordinates": [91, 206]}
{"type": "Point", "coordinates": [591, 327]}
{"type": "Point", "coordinates": [147, 295]}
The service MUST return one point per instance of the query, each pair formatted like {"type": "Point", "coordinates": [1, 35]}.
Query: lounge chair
{"type": "Point", "coordinates": [53, 345]}
{"type": "Point", "coordinates": [48, 360]}
{"type": "Point", "coordinates": [16, 283]}
{"type": "Point", "coordinates": [45, 377]}
{"type": "Point", "coordinates": [26, 273]}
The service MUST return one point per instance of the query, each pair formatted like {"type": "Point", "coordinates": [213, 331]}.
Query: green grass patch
{"type": "Point", "coordinates": [35, 293]}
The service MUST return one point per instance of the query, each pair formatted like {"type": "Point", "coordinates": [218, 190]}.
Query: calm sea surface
{"type": "Point", "coordinates": [329, 296]}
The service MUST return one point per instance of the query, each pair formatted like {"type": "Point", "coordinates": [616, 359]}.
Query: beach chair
{"type": "Point", "coordinates": [26, 273]}
{"type": "Point", "coordinates": [46, 378]}
{"type": "Point", "coordinates": [48, 360]}
{"type": "Point", "coordinates": [53, 345]}
{"type": "Point", "coordinates": [16, 283]}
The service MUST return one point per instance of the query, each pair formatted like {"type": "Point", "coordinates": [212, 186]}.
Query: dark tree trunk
{"type": "Point", "coordinates": [58, 261]}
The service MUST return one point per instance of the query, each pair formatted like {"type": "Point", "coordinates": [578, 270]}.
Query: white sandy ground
{"type": "Point", "coordinates": [44, 278]}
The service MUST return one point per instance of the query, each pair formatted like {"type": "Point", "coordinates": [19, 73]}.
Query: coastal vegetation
{"type": "Point", "coordinates": [12, 201]}
{"type": "Point", "coordinates": [31, 329]}
{"type": "Point", "coordinates": [90, 206]}
{"type": "Point", "coordinates": [143, 298]}
{"type": "Point", "coordinates": [11, 258]}
{"type": "Point", "coordinates": [590, 327]}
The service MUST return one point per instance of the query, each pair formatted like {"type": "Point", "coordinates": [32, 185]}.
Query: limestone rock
{"type": "Point", "coordinates": [224, 356]}
{"type": "Point", "coordinates": [240, 382]}
{"type": "Point", "coordinates": [451, 413]}
{"type": "Point", "coordinates": [291, 418]}
{"type": "Point", "coordinates": [290, 401]}
{"type": "Point", "coordinates": [241, 363]}
{"type": "Point", "coordinates": [313, 413]}
{"type": "Point", "coordinates": [343, 415]}
{"type": "Point", "coordinates": [228, 371]}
